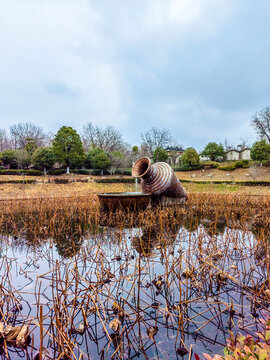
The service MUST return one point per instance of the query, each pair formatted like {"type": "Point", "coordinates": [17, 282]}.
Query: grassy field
{"type": "Point", "coordinates": [44, 186]}
{"type": "Point", "coordinates": [43, 190]}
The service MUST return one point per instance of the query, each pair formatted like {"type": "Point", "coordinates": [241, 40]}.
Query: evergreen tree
{"type": "Point", "coordinates": [260, 150]}
{"type": "Point", "coordinates": [44, 157]}
{"type": "Point", "coordinates": [97, 159]}
{"type": "Point", "coordinates": [160, 154]}
{"type": "Point", "coordinates": [190, 157]}
{"type": "Point", "coordinates": [68, 148]}
{"type": "Point", "coordinates": [213, 151]}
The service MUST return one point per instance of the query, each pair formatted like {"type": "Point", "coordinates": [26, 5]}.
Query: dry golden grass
{"type": "Point", "coordinates": [215, 174]}
{"type": "Point", "coordinates": [51, 190]}
{"type": "Point", "coordinates": [77, 189]}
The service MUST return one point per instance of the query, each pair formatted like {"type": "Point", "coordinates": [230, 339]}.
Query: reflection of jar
{"type": "Point", "coordinates": [143, 247]}
{"type": "Point", "coordinates": [158, 179]}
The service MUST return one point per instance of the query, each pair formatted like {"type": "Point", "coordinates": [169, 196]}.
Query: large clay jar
{"type": "Point", "coordinates": [158, 179]}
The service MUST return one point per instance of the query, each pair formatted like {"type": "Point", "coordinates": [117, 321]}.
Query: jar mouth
{"type": "Point", "coordinates": [141, 167]}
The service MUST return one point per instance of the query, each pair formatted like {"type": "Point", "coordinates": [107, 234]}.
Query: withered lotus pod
{"type": "Point", "coordinates": [158, 179]}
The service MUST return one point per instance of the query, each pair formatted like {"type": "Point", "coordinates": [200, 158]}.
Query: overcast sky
{"type": "Point", "coordinates": [200, 68]}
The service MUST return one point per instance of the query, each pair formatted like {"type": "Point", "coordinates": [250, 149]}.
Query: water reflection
{"type": "Point", "coordinates": [138, 292]}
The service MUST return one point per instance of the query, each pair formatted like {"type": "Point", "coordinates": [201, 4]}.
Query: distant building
{"type": "Point", "coordinates": [175, 153]}
{"type": "Point", "coordinates": [232, 155]}
{"type": "Point", "coordinates": [238, 155]}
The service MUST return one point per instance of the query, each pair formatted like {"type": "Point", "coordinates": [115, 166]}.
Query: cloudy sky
{"type": "Point", "coordinates": [200, 68]}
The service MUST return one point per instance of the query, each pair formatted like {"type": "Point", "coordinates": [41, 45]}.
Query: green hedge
{"type": "Point", "coordinates": [186, 168]}
{"type": "Point", "coordinates": [123, 171]}
{"type": "Point", "coordinates": [56, 171]}
{"type": "Point", "coordinates": [242, 164]}
{"type": "Point", "coordinates": [21, 172]}
{"type": "Point", "coordinates": [266, 162]}
{"type": "Point", "coordinates": [227, 182]}
{"type": "Point", "coordinates": [116, 180]}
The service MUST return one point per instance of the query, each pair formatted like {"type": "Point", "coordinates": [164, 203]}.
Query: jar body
{"type": "Point", "coordinates": [158, 179]}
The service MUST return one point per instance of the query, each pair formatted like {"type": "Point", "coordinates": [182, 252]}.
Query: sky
{"type": "Point", "coordinates": [199, 68]}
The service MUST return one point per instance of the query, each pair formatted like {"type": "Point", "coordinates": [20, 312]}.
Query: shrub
{"type": "Point", "coordinates": [8, 158]}
{"type": "Point", "coordinates": [242, 164]}
{"type": "Point", "coordinates": [210, 164]}
{"type": "Point", "coordinates": [23, 158]}
{"type": "Point", "coordinates": [238, 164]}
{"type": "Point", "coordinates": [98, 159]}
{"type": "Point", "coordinates": [244, 347]}
{"type": "Point", "coordinates": [266, 162]}
{"type": "Point", "coordinates": [44, 158]}
{"type": "Point", "coordinates": [227, 167]}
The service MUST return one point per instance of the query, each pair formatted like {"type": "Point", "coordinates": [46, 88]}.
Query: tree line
{"type": "Point", "coordinates": [101, 148]}
{"type": "Point", "coordinates": [97, 148]}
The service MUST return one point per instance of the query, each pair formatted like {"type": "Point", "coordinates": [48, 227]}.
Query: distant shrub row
{"type": "Point", "coordinates": [63, 171]}
{"type": "Point", "coordinates": [90, 172]}
{"type": "Point", "coordinates": [229, 166]}
{"type": "Point", "coordinates": [21, 172]}
{"type": "Point", "coordinates": [186, 167]}
{"type": "Point", "coordinates": [226, 182]}
{"type": "Point", "coordinates": [234, 165]}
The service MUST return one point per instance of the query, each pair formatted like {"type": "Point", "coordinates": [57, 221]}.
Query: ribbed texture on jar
{"type": "Point", "coordinates": [159, 178]}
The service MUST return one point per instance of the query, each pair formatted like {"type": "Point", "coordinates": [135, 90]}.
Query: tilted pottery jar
{"type": "Point", "coordinates": [158, 179]}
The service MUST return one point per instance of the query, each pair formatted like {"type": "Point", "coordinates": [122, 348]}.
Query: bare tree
{"type": "Point", "coordinates": [154, 138]}
{"type": "Point", "coordinates": [244, 143]}
{"type": "Point", "coordinates": [227, 146]}
{"type": "Point", "coordinates": [261, 123]}
{"type": "Point", "coordinates": [108, 139]}
{"type": "Point", "coordinates": [48, 139]}
{"type": "Point", "coordinates": [5, 143]}
{"type": "Point", "coordinates": [22, 131]}
{"type": "Point", "coordinates": [255, 171]}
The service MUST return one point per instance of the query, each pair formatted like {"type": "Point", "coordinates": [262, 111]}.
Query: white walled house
{"type": "Point", "coordinates": [237, 155]}
{"type": "Point", "coordinates": [232, 155]}
{"type": "Point", "coordinates": [174, 154]}
{"type": "Point", "coordinates": [204, 158]}
{"type": "Point", "coordinates": [245, 154]}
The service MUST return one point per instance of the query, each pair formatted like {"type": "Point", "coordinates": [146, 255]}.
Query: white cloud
{"type": "Point", "coordinates": [56, 42]}
{"type": "Point", "coordinates": [193, 121]}
{"type": "Point", "coordinates": [71, 61]}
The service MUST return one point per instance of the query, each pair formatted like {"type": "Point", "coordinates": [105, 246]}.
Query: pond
{"type": "Point", "coordinates": [150, 292]}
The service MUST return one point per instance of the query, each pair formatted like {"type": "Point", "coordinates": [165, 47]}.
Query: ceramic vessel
{"type": "Point", "coordinates": [158, 179]}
